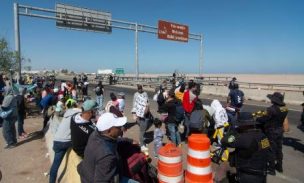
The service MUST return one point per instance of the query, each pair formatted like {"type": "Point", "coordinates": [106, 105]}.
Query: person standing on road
{"type": "Point", "coordinates": [82, 126]}
{"type": "Point", "coordinates": [189, 99]}
{"type": "Point", "coordinates": [302, 116]}
{"type": "Point", "coordinates": [235, 102]}
{"type": "Point", "coordinates": [140, 109]}
{"type": "Point", "coordinates": [99, 90]}
{"type": "Point", "coordinates": [252, 150]}
{"type": "Point", "coordinates": [62, 138]}
{"type": "Point", "coordinates": [171, 121]}
{"type": "Point", "coordinates": [21, 112]}
{"type": "Point", "coordinates": [231, 83]}
{"type": "Point", "coordinates": [9, 108]}
{"type": "Point", "coordinates": [273, 127]}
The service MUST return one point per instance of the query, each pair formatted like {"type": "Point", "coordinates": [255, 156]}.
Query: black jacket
{"type": "Point", "coordinates": [252, 150]}
{"type": "Point", "coordinates": [80, 133]}
{"type": "Point", "coordinates": [274, 117]}
{"type": "Point", "coordinates": [100, 160]}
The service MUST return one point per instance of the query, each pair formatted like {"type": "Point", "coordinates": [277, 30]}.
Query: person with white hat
{"type": "Point", "coordinates": [101, 160]}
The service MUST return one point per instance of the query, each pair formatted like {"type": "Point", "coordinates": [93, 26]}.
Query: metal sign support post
{"type": "Point", "coordinates": [75, 19]}
{"type": "Point", "coordinates": [201, 56]}
{"type": "Point", "coordinates": [136, 51]}
{"type": "Point", "coordinates": [17, 39]}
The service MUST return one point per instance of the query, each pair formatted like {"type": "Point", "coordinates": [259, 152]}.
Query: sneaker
{"type": "Point", "coordinates": [10, 146]}
{"type": "Point", "coordinates": [271, 172]}
{"type": "Point", "coordinates": [279, 168]}
{"type": "Point", "coordinates": [143, 148]}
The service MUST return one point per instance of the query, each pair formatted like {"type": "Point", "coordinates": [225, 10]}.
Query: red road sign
{"type": "Point", "coordinates": [172, 31]}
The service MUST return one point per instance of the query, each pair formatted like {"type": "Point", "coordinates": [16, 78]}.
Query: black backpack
{"type": "Point", "coordinates": [197, 120]}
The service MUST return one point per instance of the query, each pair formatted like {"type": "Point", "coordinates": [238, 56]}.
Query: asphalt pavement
{"type": "Point", "coordinates": [293, 148]}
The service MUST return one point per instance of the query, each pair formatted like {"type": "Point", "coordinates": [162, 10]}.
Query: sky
{"type": "Point", "coordinates": [239, 36]}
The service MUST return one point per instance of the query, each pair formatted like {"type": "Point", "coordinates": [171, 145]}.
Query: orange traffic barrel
{"type": "Point", "coordinates": [169, 165]}
{"type": "Point", "coordinates": [198, 160]}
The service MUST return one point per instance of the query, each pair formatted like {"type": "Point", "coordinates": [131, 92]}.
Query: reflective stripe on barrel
{"type": "Point", "coordinates": [169, 165]}
{"type": "Point", "coordinates": [198, 160]}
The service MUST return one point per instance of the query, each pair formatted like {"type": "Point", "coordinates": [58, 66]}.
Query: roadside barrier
{"type": "Point", "coordinates": [169, 165]}
{"type": "Point", "coordinates": [198, 160]}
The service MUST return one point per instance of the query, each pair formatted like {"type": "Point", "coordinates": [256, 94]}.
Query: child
{"type": "Point", "coordinates": [158, 136]}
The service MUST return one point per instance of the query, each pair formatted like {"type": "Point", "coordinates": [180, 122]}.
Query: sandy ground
{"type": "Point", "coordinates": [28, 161]}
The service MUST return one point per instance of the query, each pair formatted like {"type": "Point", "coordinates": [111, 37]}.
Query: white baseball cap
{"type": "Point", "coordinates": [108, 120]}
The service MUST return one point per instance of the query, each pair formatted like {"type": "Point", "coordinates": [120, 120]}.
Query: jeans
{"type": "Point", "coordinates": [186, 124]}
{"type": "Point", "coordinates": [143, 125]}
{"type": "Point", "coordinates": [174, 133]}
{"type": "Point", "coordinates": [9, 131]}
{"type": "Point", "coordinates": [275, 137]}
{"type": "Point", "coordinates": [20, 124]}
{"type": "Point", "coordinates": [60, 148]}
{"type": "Point", "coordinates": [99, 101]}
{"type": "Point", "coordinates": [45, 117]}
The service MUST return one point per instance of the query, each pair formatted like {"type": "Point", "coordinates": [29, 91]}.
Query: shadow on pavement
{"type": "Point", "coordinates": [293, 142]}
{"type": "Point", "coordinates": [32, 136]}
{"type": "Point", "coordinates": [130, 125]}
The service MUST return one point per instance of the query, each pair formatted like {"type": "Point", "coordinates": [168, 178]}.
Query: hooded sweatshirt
{"type": "Point", "coordinates": [63, 133]}
{"type": "Point", "coordinates": [80, 132]}
{"type": "Point", "coordinates": [10, 103]}
{"type": "Point", "coordinates": [220, 115]}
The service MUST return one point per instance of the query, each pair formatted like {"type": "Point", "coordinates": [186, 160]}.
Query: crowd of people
{"type": "Point", "coordinates": [83, 124]}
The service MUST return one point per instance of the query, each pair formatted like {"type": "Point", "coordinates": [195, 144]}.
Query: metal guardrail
{"type": "Point", "coordinates": [155, 82]}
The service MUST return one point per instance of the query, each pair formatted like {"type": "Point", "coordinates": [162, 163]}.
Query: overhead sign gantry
{"type": "Point", "coordinates": [84, 19]}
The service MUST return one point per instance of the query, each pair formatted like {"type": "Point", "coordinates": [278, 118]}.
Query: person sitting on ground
{"type": "Point", "coordinates": [62, 137]}
{"type": "Point", "coordinates": [82, 126]}
{"type": "Point", "coordinates": [101, 161]}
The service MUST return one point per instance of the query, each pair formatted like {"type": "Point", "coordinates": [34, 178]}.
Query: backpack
{"type": "Point", "coordinates": [138, 167]}
{"type": "Point", "coordinates": [197, 120]}
{"type": "Point", "coordinates": [134, 163]}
